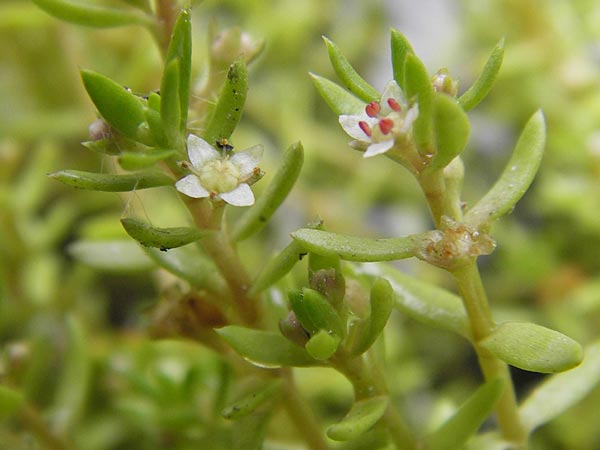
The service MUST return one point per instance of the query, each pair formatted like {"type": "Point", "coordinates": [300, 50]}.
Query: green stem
{"type": "Point", "coordinates": [32, 419]}
{"type": "Point", "coordinates": [475, 300]}
{"type": "Point", "coordinates": [300, 413]}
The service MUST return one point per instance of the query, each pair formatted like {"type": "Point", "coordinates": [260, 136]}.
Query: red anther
{"type": "Point", "coordinates": [393, 104]}
{"type": "Point", "coordinates": [365, 127]}
{"type": "Point", "coordinates": [386, 125]}
{"type": "Point", "coordinates": [373, 109]}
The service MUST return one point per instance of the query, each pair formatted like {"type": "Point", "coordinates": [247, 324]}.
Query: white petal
{"type": "Point", "coordinates": [391, 90]}
{"type": "Point", "coordinates": [410, 117]}
{"type": "Point", "coordinates": [190, 186]}
{"type": "Point", "coordinates": [247, 160]}
{"type": "Point", "coordinates": [378, 148]}
{"type": "Point", "coordinates": [200, 151]}
{"type": "Point", "coordinates": [350, 125]}
{"type": "Point", "coordinates": [240, 196]}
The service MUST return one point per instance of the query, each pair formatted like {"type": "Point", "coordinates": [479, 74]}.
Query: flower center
{"type": "Point", "coordinates": [219, 175]}
{"type": "Point", "coordinates": [385, 125]}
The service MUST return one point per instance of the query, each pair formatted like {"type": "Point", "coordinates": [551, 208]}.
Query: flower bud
{"type": "Point", "coordinates": [291, 328]}
{"type": "Point", "coordinates": [442, 82]}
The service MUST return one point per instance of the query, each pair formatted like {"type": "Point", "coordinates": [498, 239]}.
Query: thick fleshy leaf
{"type": "Point", "coordinates": [162, 238]}
{"type": "Point", "coordinates": [112, 183]}
{"type": "Point", "coordinates": [11, 401]}
{"type": "Point", "coordinates": [248, 403]}
{"type": "Point", "coordinates": [228, 111]}
{"type": "Point", "coordinates": [352, 248]}
{"type": "Point", "coordinates": [315, 313]}
{"type": "Point", "coordinates": [322, 345]}
{"type": "Point", "coordinates": [93, 15]}
{"type": "Point", "coordinates": [400, 48]}
{"type": "Point", "coordinates": [265, 348]}
{"type": "Point", "coordinates": [561, 391]}
{"type": "Point", "coordinates": [170, 106]}
{"type": "Point", "coordinates": [516, 177]}
{"type": "Point", "coordinates": [278, 266]}
{"type": "Point", "coordinates": [141, 160]}
{"type": "Point", "coordinates": [418, 87]}
{"type": "Point", "coordinates": [180, 49]}
{"type": "Point", "coordinates": [351, 79]}
{"type": "Point", "coordinates": [532, 347]}
{"type": "Point", "coordinates": [362, 417]}
{"type": "Point", "coordinates": [120, 256]}
{"type": "Point", "coordinates": [120, 108]}
{"type": "Point", "coordinates": [451, 126]}
{"type": "Point", "coordinates": [190, 264]}
{"type": "Point", "coordinates": [337, 98]}
{"type": "Point", "coordinates": [273, 196]}
{"type": "Point", "coordinates": [465, 422]}
{"type": "Point", "coordinates": [491, 440]}
{"type": "Point", "coordinates": [368, 330]}
{"type": "Point", "coordinates": [482, 86]}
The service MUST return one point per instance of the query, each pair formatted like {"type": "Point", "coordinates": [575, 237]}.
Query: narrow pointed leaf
{"type": "Point", "coordinates": [516, 177]}
{"type": "Point", "coordinates": [350, 78]}
{"type": "Point", "coordinates": [112, 183]}
{"type": "Point", "coordinates": [249, 432]}
{"type": "Point", "coordinates": [141, 160]}
{"type": "Point", "coordinates": [170, 106]}
{"type": "Point", "coordinates": [465, 422]}
{"type": "Point", "coordinates": [400, 49]}
{"type": "Point", "coordinates": [451, 126]}
{"type": "Point", "coordinates": [337, 98]}
{"type": "Point", "coordinates": [278, 266]}
{"type": "Point", "coordinates": [352, 248]}
{"type": "Point", "coordinates": [561, 391]}
{"type": "Point", "coordinates": [162, 238]}
{"type": "Point", "coordinates": [382, 303]}
{"type": "Point", "coordinates": [119, 256]}
{"type": "Point", "coordinates": [248, 404]}
{"type": "Point", "coordinates": [180, 49]}
{"type": "Point", "coordinates": [93, 15]}
{"type": "Point", "coordinates": [257, 217]}
{"type": "Point", "coordinates": [532, 347]}
{"type": "Point", "coordinates": [315, 313]}
{"type": "Point", "coordinates": [322, 345]}
{"type": "Point", "coordinates": [418, 87]}
{"type": "Point", "coordinates": [362, 417]}
{"type": "Point", "coordinates": [265, 348]}
{"type": "Point", "coordinates": [120, 108]}
{"type": "Point", "coordinates": [11, 401]}
{"type": "Point", "coordinates": [228, 111]}
{"type": "Point", "coordinates": [482, 86]}
{"type": "Point", "coordinates": [156, 126]}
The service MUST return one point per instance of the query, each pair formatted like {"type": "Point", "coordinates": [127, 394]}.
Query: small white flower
{"type": "Point", "coordinates": [383, 123]}
{"type": "Point", "coordinates": [219, 175]}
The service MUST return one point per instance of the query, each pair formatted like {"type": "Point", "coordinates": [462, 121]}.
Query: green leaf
{"type": "Point", "coordinates": [265, 348]}
{"type": "Point", "coordinates": [351, 79]}
{"type": "Point", "coordinates": [516, 177]}
{"type": "Point", "coordinates": [351, 248]}
{"type": "Point", "coordinates": [451, 126]}
{"type": "Point", "coordinates": [228, 111]}
{"type": "Point", "coordinates": [170, 106]}
{"type": "Point", "coordinates": [561, 391]}
{"type": "Point", "coordinates": [142, 160]}
{"type": "Point", "coordinates": [322, 345]}
{"type": "Point", "coordinates": [532, 347]}
{"type": "Point", "coordinates": [156, 126]}
{"type": "Point", "coordinates": [315, 313]}
{"type": "Point", "coordinates": [120, 256]}
{"type": "Point", "coordinates": [249, 432]}
{"type": "Point", "coordinates": [92, 15]}
{"type": "Point", "coordinates": [400, 48]}
{"type": "Point", "coordinates": [250, 402]}
{"type": "Point", "coordinates": [362, 417]}
{"type": "Point", "coordinates": [277, 267]}
{"type": "Point", "coordinates": [11, 401]}
{"type": "Point", "coordinates": [112, 183]}
{"type": "Point", "coordinates": [368, 330]}
{"type": "Point", "coordinates": [191, 265]}
{"type": "Point", "coordinates": [276, 192]}
{"type": "Point", "coordinates": [418, 87]}
{"type": "Point", "coordinates": [464, 423]}
{"type": "Point", "coordinates": [337, 98]}
{"type": "Point", "coordinates": [482, 86]}
{"type": "Point", "coordinates": [162, 238]}
{"type": "Point", "coordinates": [104, 146]}
{"type": "Point", "coordinates": [180, 49]}
{"type": "Point", "coordinates": [491, 440]}
{"type": "Point", "coordinates": [425, 302]}
{"type": "Point", "coordinates": [123, 110]}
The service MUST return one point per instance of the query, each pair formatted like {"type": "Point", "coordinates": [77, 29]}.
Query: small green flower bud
{"type": "Point", "coordinates": [331, 284]}
{"type": "Point", "coordinates": [291, 328]}
{"type": "Point", "coordinates": [442, 82]}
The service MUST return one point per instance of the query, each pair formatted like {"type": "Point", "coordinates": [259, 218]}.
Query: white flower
{"type": "Point", "coordinates": [221, 175]}
{"type": "Point", "coordinates": [383, 123]}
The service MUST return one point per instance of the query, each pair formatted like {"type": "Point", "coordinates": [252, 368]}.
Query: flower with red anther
{"type": "Point", "coordinates": [383, 123]}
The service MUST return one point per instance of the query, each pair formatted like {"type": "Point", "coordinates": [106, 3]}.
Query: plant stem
{"type": "Point", "coordinates": [300, 413]}
{"type": "Point", "coordinates": [36, 424]}
{"type": "Point", "coordinates": [475, 300]}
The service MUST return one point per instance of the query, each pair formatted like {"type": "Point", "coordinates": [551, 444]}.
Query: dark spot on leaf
{"type": "Point", "coordinates": [262, 218]}
{"type": "Point", "coordinates": [301, 255]}
{"type": "Point", "coordinates": [164, 249]}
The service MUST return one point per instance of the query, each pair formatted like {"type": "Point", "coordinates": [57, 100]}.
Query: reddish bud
{"type": "Point", "coordinates": [386, 125]}
{"type": "Point", "coordinates": [372, 109]}
{"type": "Point", "coordinates": [365, 127]}
{"type": "Point", "coordinates": [394, 104]}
